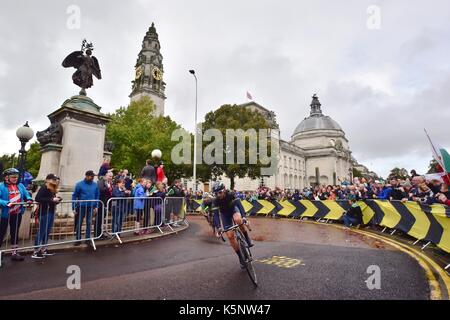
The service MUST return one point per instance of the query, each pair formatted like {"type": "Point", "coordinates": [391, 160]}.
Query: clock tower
{"type": "Point", "coordinates": [149, 72]}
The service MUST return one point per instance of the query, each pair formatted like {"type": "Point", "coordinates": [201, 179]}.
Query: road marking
{"type": "Point", "coordinates": [282, 261]}
{"type": "Point", "coordinates": [430, 267]}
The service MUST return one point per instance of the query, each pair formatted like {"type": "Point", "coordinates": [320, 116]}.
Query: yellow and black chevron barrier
{"type": "Point", "coordinates": [423, 222]}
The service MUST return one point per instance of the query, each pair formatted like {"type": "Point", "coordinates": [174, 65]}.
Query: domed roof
{"type": "Point", "coordinates": [316, 120]}
{"type": "Point", "coordinates": [317, 123]}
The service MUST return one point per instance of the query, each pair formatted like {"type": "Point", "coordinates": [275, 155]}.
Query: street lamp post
{"type": "Point", "coordinates": [195, 133]}
{"type": "Point", "coordinates": [24, 134]}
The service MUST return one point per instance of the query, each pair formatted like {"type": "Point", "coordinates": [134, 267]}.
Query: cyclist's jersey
{"type": "Point", "coordinates": [226, 205]}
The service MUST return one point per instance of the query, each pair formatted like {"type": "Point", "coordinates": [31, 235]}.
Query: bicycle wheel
{"type": "Point", "coordinates": [247, 257]}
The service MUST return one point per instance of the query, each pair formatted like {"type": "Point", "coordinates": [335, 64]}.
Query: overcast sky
{"type": "Point", "coordinates": [383, 86]}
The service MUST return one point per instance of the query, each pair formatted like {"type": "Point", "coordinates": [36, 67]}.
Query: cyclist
{"type": "Point", "coordinates": [206, 210]}
{"type": "Point", "coordinates": [230, 210]}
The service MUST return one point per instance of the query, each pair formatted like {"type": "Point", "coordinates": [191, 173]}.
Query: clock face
{"type": "Point", "coordinates": [138, 72]}
{"type": "Point", "coordinates": [157, 74]}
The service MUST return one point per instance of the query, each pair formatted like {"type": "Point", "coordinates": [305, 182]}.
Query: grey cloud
{"type": "Point", "coordinates": [282, 52]}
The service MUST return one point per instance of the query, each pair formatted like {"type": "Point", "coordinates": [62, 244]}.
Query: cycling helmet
{"type": "Point", "coordinates": [218, 186]}
{"type": "Point", "coordinates": [10, 172]}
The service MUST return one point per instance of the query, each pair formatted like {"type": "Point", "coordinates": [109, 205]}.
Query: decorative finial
{"type": "Point", "coordinates": [86, 46]}
{"type": "Point", "coordinates": [315, 106]}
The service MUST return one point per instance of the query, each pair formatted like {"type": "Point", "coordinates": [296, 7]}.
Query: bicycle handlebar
{"type": "Point", "coordinates": [244, 222]}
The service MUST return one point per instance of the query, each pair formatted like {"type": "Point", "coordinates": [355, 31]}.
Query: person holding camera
{"type": "Point", "coordinates": [47, 199]}
{"type": "Point", "coordinates": [353, 216]}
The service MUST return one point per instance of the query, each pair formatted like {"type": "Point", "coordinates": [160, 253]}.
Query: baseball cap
{"type": "Point", "coordinates": [51, 176]}
{"type": "Point", "coordinates": [90, 173]}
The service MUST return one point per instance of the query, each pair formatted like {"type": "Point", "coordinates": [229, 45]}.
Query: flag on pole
{"type": "Point", "coordinates": [442, 157]}
{"type": "Point", "coordinates": [435, 149]}
{"type": "Point", "coordinates": [249, 96]}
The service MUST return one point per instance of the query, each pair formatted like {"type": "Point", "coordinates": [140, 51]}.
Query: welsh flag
{"type": "Point", "coordinates": [442, 157]}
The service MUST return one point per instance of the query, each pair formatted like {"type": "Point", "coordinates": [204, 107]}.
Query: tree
{"type": "Point", "coordinates": [33, 161]}
{"type": "Point", "coordinates": [235, 117]}
{"type": "Point", "coordinates": [9, 160]}
{"type": "Point", "coordinates": [135, 132]}
{"type": "Point", "coordinates": [356, 173]}
{"type": "Point", "coordinates": [400, 173]}
{"type": "Point", "coordinates": [432, 167]}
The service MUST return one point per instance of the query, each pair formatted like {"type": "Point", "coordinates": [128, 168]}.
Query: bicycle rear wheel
{"type": "Point", "coordinates": [247, 258]}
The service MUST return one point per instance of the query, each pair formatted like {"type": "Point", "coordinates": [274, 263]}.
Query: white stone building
{"type": "Point", "coordinates": [318, 153]}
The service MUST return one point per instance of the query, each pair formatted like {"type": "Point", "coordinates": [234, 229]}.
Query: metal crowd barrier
{"type": "Point", "coordinates": [174, 211]}
{"type": "Point", "coordinates": [133, 214]}
{"type": "Point", "coordinates": [71, 222]}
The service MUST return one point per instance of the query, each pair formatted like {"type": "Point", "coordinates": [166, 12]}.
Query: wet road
{"type": "Point", "coordinates": [320, 262]}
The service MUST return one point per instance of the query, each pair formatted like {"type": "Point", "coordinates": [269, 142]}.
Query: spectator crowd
{"type": "Point", "coordinates": [414, 188]}
{"type": "Point", "coordinates": [129, 198]}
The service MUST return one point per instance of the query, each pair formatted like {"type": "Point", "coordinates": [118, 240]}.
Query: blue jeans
{"type": "Point", "coordinates": [83, 212]}
{"type": "Point", "coordinates": [350, 220]}
{"type": "Point", "coordinates": [46, 220]}
{"type": "Point", "coordinates": [118, 214]}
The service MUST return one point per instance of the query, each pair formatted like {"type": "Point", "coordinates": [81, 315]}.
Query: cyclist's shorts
{"type": "Point", "coordinates": [227, 219]}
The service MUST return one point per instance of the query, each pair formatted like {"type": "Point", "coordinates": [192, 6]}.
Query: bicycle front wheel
{"type": "Point", "coordinates": [247, 258]}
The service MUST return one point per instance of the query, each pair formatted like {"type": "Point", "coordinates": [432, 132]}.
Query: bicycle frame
{"type": "Point", "coordinates": [245, 252]}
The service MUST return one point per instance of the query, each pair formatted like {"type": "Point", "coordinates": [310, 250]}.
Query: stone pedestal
{"type": "Point", "coordinates": [51, 154]}
{"type": "Point", "coordinates": [81, 146]}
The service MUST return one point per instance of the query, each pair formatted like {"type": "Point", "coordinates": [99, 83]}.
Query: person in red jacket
{"type": "Point", "coordinates": [160, 175]}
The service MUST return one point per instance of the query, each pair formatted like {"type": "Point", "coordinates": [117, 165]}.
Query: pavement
{"type": "Point", "coordinates": [294, 260]}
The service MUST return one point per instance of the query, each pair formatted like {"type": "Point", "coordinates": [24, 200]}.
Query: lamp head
{"type": "Point", "coordinates": [25, 133]}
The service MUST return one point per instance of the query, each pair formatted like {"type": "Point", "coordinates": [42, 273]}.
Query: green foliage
{"type": "Point", "coordinates": [235, 117]}
{"type": "Point", "coordinates": [135, 133]}
{"type": "Point", "coordinates": [400, 173]}
{"type": "Point", "coordinates": [32, 162]}
{"type": "Point", "coordinates": [357, 173]}
{"type": "Point", "coordinates": [8, 161]}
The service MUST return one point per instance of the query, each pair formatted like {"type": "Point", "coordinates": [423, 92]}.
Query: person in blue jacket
{"type": "Point", "coordinates": [84, 204]}
{"type": "Point", "coordinates": [12, 197]}
{"type": "Point", "coordinates": [139, 201]}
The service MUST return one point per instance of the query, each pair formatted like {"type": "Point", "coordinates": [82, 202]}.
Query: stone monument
{"type": "Point", "coordinates": [75, 141]}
